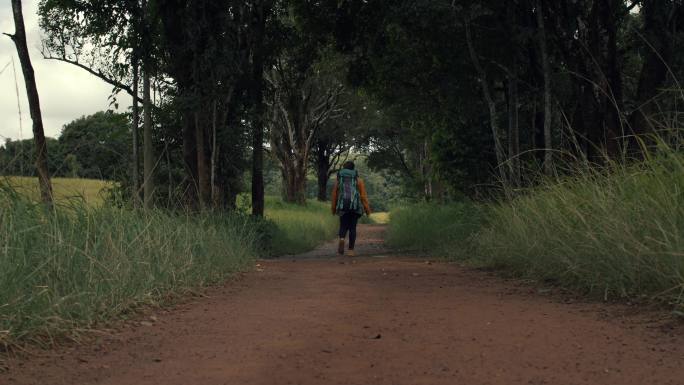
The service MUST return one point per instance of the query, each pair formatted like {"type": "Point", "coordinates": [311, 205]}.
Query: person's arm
{"type": "Point", "coordinates": [364, 197]}
{"type": "Point", "coordinates": [334, 199]}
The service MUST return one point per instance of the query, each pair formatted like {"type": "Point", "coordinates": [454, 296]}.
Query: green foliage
{"type": "Point", "coordinates": [80, 266]}
{"type": "Point", "coordinates": [18, 157]}
{"type": "Point", "coordinates": [96, 146]}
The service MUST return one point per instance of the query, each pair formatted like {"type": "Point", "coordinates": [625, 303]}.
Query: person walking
{"type": "Point", "coordinates": [349, 201]}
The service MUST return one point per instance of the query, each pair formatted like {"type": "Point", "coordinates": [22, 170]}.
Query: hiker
{"type": "Point", "coordinates": [349, 201]}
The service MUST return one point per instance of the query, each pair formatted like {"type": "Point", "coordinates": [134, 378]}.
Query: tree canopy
{"type": "Point", "coordinates": [445, 98]}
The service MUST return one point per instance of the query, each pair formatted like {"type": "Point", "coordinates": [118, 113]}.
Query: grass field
{"type": "Point", "coordinates": [91, 191]}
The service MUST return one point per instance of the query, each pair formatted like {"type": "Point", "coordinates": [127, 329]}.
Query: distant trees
{"type": "Point", "coordinates": [305, 96]}
{"type": "Point", "coordinates": [18, 157]}
{"type": "Point", "coordinates": [99, 145]}
{"type": "Point", "coordinates": [95, 147]}
{"type": "Point", "coordinates": [301, 104]}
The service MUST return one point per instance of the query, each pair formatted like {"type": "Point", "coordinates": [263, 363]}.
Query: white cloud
{"type": "Point", "coordinates": [66, 92]}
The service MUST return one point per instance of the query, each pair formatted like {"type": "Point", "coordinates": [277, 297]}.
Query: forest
{"type": "Point", "coordinates": [453, 99]}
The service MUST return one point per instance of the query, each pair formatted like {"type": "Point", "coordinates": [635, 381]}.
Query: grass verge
{"type": "Point", "coordinates": [299, 228]}
{"type": "Point", "coordinates": [616, 233]}
{"type": "Point", "coordinates": [437, 229]}
{"type": "Point", "coordinates": [73, 268]}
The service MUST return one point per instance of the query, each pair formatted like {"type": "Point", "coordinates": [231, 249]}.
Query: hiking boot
{"type": "Point", "coordinates": [340, 247]}
{"type": "Point", "coordinates": [351, 253]}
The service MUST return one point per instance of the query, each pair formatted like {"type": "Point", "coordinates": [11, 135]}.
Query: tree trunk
{"type": "Point", "coordinates": [513, 130]}
{"type": "Point", "coordinates": [546, 69]}
{"type": "Point", "coordinates": [491, 104]}
{"type": "Point", "coordinates": [135, 121]}
{"type": "Point", "coordinates": [19, 39]}
{"type": "Point", "coordinates": [203, 171]}
{"type": "Point", "coordinates": [190, 159]}
{"type": "Point", "coordinates": [295, 185]}
{"type": "Point", "coordinates": [148, 149]}
{"type": "Point", "coordinates": [259, 111]}
{"type": "Point", "coordinates": [425, 170]}
{"type": "Point", "coordinates": [322, 174]}
{"type": "Point", "coordinates": [214, 158]}
{"type": "Point", "coordinates": [657, 38]}
{"type": "Point", "coordinates": [615, 135]}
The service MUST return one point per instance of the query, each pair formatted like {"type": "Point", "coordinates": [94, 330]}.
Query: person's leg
{"type": "Point", "coordinates": [353, 220]}
{"type": "Point", "coordinates": [344, 228]}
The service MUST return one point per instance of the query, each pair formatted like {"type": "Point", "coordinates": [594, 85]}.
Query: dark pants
{"type": "Point", "coordinates": [348, 223]}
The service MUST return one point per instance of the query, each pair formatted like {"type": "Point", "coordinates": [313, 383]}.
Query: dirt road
{"type": "Point", "coordinates": [378, 320]}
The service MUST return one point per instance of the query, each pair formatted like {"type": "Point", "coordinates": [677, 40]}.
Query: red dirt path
{"type": "Point", "coordinates": [391, 320]}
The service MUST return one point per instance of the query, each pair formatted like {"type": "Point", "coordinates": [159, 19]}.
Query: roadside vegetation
{"type": "Point", "coordinates": [612, 233]}
{"type": "Point", "coordinates": [86, 262]}
{"type": "Point", "coordinates": [299, 228]}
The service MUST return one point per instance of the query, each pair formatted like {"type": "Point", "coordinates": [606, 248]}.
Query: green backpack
{"type": "Point", "coordinates": [348, 199]}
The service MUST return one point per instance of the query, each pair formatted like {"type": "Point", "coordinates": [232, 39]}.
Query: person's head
{"type": "Point", "coordinates": [349, 165]}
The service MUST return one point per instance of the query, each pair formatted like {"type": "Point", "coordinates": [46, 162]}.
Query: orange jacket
{"type": "Point", "coordinates": [362, 194]}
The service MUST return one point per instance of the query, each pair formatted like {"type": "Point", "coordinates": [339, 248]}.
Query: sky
{"type": "Point", "coordinates": [66, 92]}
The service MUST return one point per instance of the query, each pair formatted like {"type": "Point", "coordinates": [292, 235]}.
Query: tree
{"type": "Point", "coordinates": [661, 23]}
{"type": "Point", "coordinates": [19, 39]}
{"type": "Point", "coordinates": [105, 39]}
{"type": "Point", "coordinates": [546, 70]}
{"type": "Point", "coordinates": [97, 36]}
{"type": "Point", "coordinates": [18, 157]}
{"type": "Point", "coordinates": [334, 141]}
{"type": "Point", "coordinates": [99, 145]}
{"type": "Point", "coordinates": [488, 96]}
{"type": "Point", "coordinates": [260, 13]}
{"type": "Point", "coordinates": [330, 150]}
{"type": "Point", "coordinates": [206, 51]}
{"type": "Point", "coordinates": [148, 146]}
{"type": "Point", "coordinates": [305, 97]}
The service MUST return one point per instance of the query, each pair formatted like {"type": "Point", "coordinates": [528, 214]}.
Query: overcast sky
{"type": "Point", "coordinates": [66, 92]}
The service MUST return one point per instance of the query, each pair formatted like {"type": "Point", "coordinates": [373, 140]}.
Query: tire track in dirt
{"type": "Point", "coordinates": [370, 320]}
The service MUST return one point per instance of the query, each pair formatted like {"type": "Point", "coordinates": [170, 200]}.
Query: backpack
{"type": "Point", "coordinates": [348, 192]}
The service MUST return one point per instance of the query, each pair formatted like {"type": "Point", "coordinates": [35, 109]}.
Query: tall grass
{"type": "Point", "coordinates": [299, 228]}
{"type": "Point", "coordinates": [439, 229]}
{"type": "Point", "coordinates": [615, 232]}
{"type": "Point", "coordinates": [75, 267]}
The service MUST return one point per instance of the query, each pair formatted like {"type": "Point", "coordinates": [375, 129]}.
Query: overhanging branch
{"type": "Point", "coordinates": [98, 74]}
